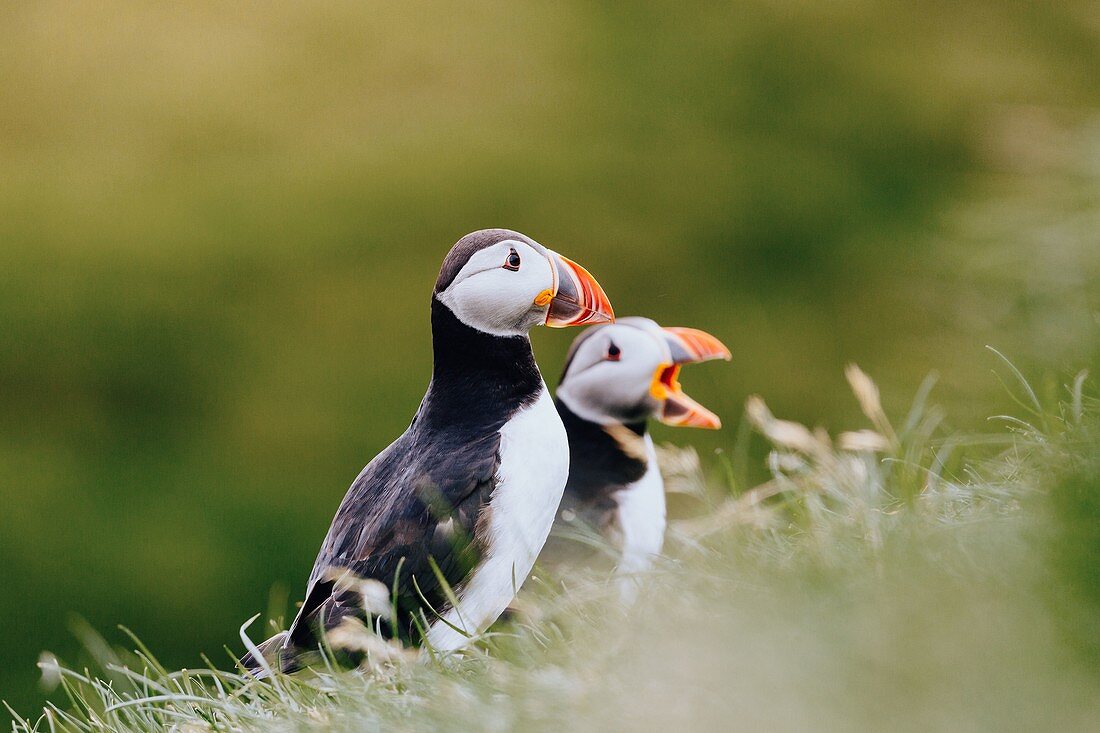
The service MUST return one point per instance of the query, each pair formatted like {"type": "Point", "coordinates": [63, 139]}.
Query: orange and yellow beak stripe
{"type": "Point", "coordinates": [577, 300]}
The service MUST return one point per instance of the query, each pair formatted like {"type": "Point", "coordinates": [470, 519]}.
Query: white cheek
{"type": "Point", "coordinates": [498, 301]}
{"type": "Point", "coordinates": [608, 390]}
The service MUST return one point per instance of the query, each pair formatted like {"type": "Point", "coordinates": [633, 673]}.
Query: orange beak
{"type": "Point", "coordinates": [577, 299]}
{"type": "Point", "coordinates": [690, 345]}
{"type": "Point", "coordinates": [687, 345]}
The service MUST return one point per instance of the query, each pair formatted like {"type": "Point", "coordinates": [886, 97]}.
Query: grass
{"type": "Point", "coordinates": [892, 577]}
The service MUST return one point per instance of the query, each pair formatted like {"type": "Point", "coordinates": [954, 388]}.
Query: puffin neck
{"type": "Point", "coordinates": [477, 375]}
{"type": "Point", "coordinates": [603, 454]}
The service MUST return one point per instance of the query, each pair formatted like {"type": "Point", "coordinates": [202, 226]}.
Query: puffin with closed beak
{"type": "Point", "coordinates": [616, 378]}
{"type": "Point", "coordinates": [452, 515]}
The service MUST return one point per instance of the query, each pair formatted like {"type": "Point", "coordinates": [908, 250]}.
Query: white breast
{"type": "Point", "coordinates": [641, 515]}
{"type": "Point", "coordinates": [534, 465]}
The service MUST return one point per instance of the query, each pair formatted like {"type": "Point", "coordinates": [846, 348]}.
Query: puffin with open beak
{"type": "Point", "coordinates": [452, 515]}
{"type": "Point", "coordinates": [616, 378]}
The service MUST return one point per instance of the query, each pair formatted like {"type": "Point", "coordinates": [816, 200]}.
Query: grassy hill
{"type": "Point", "coordinates": [219, 225]}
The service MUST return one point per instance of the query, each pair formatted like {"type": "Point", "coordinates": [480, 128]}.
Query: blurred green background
{"type": "Point", "coordinates": [220, 224]}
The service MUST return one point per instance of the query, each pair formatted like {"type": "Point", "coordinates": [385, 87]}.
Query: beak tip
{"type": "Point", "coordinates": [706, 422]}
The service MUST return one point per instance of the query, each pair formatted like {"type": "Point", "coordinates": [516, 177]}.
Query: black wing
{"type": "Point", "coordinates": [418, 501]}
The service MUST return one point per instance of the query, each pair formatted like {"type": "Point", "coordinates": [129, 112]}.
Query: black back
{"type": "Point", "coordinates": [423, 498]}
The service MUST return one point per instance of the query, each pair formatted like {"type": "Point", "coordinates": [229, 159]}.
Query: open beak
{"type": "Point", "coordinates": [576, 299]}
{"type": "Point", "coordinates": [687, 346]}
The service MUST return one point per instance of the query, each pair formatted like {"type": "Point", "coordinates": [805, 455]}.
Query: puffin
{"type": "Point", "coordinates": [616, 378]}
{"type": "Point", "coordinates": [452, 515]}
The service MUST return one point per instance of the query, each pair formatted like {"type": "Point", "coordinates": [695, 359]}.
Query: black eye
{"type": "Point", "coordinates": [513, 261]}
{"type": "Point", "coordinates": [613, 353]}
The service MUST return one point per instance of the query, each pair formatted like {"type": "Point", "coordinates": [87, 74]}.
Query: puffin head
{"type": "Point", "coordinates": [627, 372]}
{"type": "Point", "coordinates": [504, 283]}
